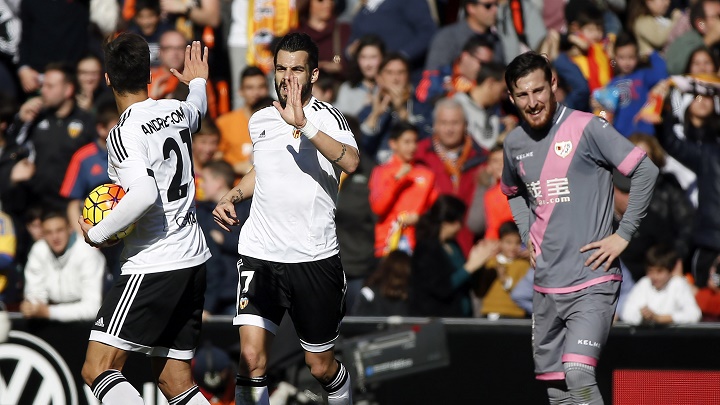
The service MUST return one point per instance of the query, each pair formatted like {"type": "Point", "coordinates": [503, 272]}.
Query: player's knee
{"type": "Point", "coordinates": [253, 361]}
{"type": "Point", "coordinates": [321, 368]}
{"type": "Point", "coordinates": [579, 375]}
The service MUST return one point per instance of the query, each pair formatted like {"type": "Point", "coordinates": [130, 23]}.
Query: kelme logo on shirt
{"type": "Point", "coordinates": [563, 149]}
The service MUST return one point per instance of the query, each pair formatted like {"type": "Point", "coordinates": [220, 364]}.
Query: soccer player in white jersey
{"type": "Point", "coordinates": [557, 174]}
{"type": "Point", "coordinates": [289, 258]}
{"type": "Point", "coordinates": [155, 306]}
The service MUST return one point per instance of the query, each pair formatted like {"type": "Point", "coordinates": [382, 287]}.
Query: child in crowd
{"type": "Point", "coordinates": [634, 84]}
{"type": "Point", "coordinates": [148, 24]}
{"type": "Point", "coordinates": [661, 297]}
{"type": "Point", "coordinates": [400, 191]}
{"type": "Point", "coordinates": [505, 270]}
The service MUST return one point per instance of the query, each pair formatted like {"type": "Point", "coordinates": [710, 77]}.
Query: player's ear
{"type": "Point", "coordinates": [107, 80]}
{"type": "Point", "coordinates": [553, 83]}
{"type": "Point", "coordinates": [510, 96]}
{"type": "Point", "coordinates": [314, 75]}
{"type": "Point", "coordinates": [149, 77]}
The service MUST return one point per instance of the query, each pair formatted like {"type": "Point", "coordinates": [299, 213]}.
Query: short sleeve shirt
{"type": "Point", "coordinates": [292, 216]}
{"type": "Point", "coordinates": [566, 178]}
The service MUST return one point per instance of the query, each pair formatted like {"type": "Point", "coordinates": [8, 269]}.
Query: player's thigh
{"type": "Point", "coordinates": [589, 321]}
{"type": "Point", "coordinates": [182, 333]}
{"type": "Point", "coordinates": [548, 334]}
{"type": "Point", "coordinates": [141, 311]}
{"type": "Point", "coordinates": [318, 302]}
{"type": "Point", "coordinates": [261, 299]}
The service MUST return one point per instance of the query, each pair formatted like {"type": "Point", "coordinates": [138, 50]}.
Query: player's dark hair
{"type": "Point", "coordinates": [152, 5]}
{"type": "Point", "coordinates": [490, 70]}
{"type": "Point", "coordinates": [400, 128]}
{"type": "Point", "coordinates": [355, 77]}
{"type": "Point", "coordinates": [298, 41]}
{"type": "Point", "coordinates": [54, 214]}
{"type": "Point", "coordinates": [446, 208]}
{"type": "Point", "coordinates": [223, 169]}
{"type": "Point", "coordinates": [67, 70]}
{"type": "Point", "coordinates": [392, 276]}
{"type": "Point", "coordinates": [127, 63]}
{"type": "Point", "coordinates": [508, 228]}
{"type": "Point", "coordinates": [393, 56]}
{"type": "Point", "coordinates": [106, 112]}
{"type": "Point", "coordinates": [250, 71]}
{"type": "Point", "coordinates": [663, 256]}
{"type": "Point", "coordinates": [525, 64]}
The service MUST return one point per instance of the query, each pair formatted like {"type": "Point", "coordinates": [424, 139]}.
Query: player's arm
{"type": "Point", "coordinates": [345, 155]}
{"type": "Point", "coordinates": [608, 146]}
{"type": "Point", "coordinates": [224, 213]}
{"type": "Point", "coordinates": [140, 196]}
{"type": "Point", "coordinates": [195, 74]}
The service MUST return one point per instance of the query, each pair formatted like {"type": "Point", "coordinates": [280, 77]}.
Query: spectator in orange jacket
{"type": "Point", "coordinates": [400, 191]}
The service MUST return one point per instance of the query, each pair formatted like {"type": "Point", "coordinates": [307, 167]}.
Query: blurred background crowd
{"type": "Point", "coordinates": [423, 227]}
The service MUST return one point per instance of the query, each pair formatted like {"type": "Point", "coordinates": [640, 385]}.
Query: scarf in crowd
{"type": "Point", "coordinates": [453, 164]}
{"type": "Point", "coordinates": [268, 19]}
{"type": "Point", "coordinates": [595, 66]}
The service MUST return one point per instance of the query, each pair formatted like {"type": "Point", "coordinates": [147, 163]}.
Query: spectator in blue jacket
{"type": "Point", "coordinates": [633, 83]}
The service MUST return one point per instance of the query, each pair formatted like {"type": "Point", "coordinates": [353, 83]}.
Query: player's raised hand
{"type": "Point", "coordinates": [196, 63]}
{"type": "Point", "coordinates": [293, 112]}
{"type": "Point", "coordinates": [607, 250]}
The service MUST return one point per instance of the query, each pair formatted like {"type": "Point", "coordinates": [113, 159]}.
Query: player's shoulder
{"type": "Point", "coordinates": [515, 137]}
{"type": "Point", "coordinates": [264, 115]}
{"type": "Point", "coordinates": [328, 114]}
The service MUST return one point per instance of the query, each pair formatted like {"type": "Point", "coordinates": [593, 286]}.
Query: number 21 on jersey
{"type": "Point", "coordinates": [177, 188]}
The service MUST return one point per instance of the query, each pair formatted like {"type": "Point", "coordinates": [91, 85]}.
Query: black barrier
{"type": "Point", "coordinates": [490, 362]}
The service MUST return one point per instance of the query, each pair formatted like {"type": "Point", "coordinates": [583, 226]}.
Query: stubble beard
{"type": "Point", "coordinates": [305, 93]}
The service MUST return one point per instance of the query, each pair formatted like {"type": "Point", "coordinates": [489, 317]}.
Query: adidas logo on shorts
{"type": "Point", "coordinates": [100, 323]}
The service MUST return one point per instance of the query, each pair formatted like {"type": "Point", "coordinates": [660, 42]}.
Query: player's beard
{"type": "Point", "coordinates": [305, 93]}
{"type": "Point", "coordinates": [545, 113]}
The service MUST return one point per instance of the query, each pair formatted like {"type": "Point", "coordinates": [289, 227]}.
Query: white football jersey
{"type": "Point", "coordinates": [292, 216]}
{"type": "Point", "coordinates": [153, 137]}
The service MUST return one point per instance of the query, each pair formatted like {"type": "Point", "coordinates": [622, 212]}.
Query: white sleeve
{"type": "Point", "coordinates": [34, 290]}
{"type": "Point", "coordinates": [196, 103]}
{"type": "Point", "coordinates": [334, 124]}
{"type": "Point", "coordinates": [635, 301]}
{"type": "Point", "coordinates": [686, 309]}
{"type": "Point", "coordinates": [139, 198]}
{"type": "Point", "coordinates": [90, 272]}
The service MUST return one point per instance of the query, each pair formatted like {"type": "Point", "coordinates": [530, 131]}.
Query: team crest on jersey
{"type": "Point", "coordinates": [74, 129]}
{"type": "Point", "coordinates": [563, 149]}
{"type": "Point", "coordinates": [244, 302]}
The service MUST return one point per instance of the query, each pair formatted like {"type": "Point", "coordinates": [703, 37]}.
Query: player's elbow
{"type": "Point", "coordinates": [352, 163]}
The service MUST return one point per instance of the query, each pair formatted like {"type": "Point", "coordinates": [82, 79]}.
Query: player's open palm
{"type": "Point", "coordinates": [606, 251]}
{"type": "Point", "coordinates": [293, 112]}
{"type": "Point", "coordinates": [196, 63]}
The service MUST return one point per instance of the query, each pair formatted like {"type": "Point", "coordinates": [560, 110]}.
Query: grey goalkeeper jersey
{"type": "Point", "coordinates": [565, 177]}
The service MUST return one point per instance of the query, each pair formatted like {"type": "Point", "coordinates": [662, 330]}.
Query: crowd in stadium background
{"type": "Point", "coordinates": [421, 85]}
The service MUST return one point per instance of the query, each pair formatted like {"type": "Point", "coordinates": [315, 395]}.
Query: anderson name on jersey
{"type": "Point", "coordinates": [154, 137]}
{"type": "Point", "coordinates": [292, 216]}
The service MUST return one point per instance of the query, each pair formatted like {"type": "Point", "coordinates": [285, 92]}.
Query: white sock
{"type": "Point", "coordinates": [111, 388]}
{"type": "Point", "coordinates": [339, 389]}
{"type": "Point", "coordinates": [192, 396]}
{"type": "Point", "coordinates": [251, 391]}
